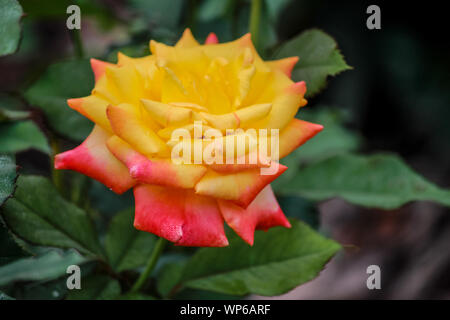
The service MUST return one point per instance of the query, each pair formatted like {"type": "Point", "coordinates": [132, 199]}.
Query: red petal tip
{"type": "Point", "coordinates": [212, 39]}
{"type": "Point", "coordinates": [99, 67]}
{"type": "Point", "coordinates": [298, 88]}
{"type": "Point", "coordinates": [75, 103]}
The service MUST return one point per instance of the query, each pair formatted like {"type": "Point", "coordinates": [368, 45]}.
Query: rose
{"type": "Point", "coordinates": [137, 103]}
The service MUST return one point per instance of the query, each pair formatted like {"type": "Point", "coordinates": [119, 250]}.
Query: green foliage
{"type": "Point", "coordinates": [333, 139]}
{"type": "Point", "coordinates": [62, 81]}
{"type": "Point", "coordinates": [50, 265]}
{"type": "Point", "coordinates": [10, 15]}
{"type": "Point", "coordinates": [96, 287]}
{"type": "Point", "coordinates": [38, 214]}
{"type": "Point", "coordinates": [165, 14]}
{"type": "Point", "coordinates": [211, 9]}
{"type": "Point", "coordinates": [280, 260]}
{"type": "Point", "coordinates": [379, 181]}
{"type": "Point", "coordinates": [127, 247]}
{"type": "Point", "coordinates": [22, 135]}
{"type": "Point", "coordinates": [38, 218]}
{"type": "Point", "coordinates": [319, 58]}
{"type": "Point", "coordinates": [8, 177]}
{"type": "Point", "coordinates": [169, 277]}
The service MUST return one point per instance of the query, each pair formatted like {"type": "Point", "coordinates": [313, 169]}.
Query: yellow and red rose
{"type": "Point", "coordinates": [137, 103]}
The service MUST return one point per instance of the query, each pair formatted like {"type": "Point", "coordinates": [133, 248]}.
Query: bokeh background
{"type": "Point", "coordinates": [396, 99]}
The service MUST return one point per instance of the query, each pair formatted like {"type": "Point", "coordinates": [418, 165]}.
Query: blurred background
{"type": "Point", "coordinates": [396, 99]}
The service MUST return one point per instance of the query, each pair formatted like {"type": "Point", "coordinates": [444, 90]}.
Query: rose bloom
{"type": "Point", "coordinates": [137, 103]}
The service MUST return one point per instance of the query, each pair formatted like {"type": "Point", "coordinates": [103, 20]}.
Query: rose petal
{"type": "Point", "coordinates": [212, 38]}
{"type": "Point", "coordinates": [127, 123]}
{"type": "Point", "coordinates": [187, 40]}
{"type": "Point", "coordinates": [179, 216]}
{"type": "Point", "coordinates": [295, 134]}
{"type": "Point", "coordinates": [155, 171]}
{"type": "Point", "coordinates": [93, 159]}
{"type": "Point", "coordinates": [92, 107]}
{"type": "Point", "coordinates": [284, 65]}
{"type": "Point", "coordinates": [241, 187]}
{"type": "Point", "coordinates": [99, 68]}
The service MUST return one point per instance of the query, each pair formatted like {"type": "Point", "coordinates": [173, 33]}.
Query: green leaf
{"type": "Point", "coordinates": [333, 139]}
{"type": "Point", "coordinates": [302, 209]}
{"type": "Point", "coordinates": [96, 287]}
{"type": "Point", "coordinates": [38, 214]}
{"type": "Point", "coordinates": [169, 277]}
{"type": "Point", "coordinates": [51, 265]}
{"type": "Point", "coordinates": [61, 81]}
{"type": "Point", "coordinates": [280, 260]}
{"type": "Point", "coordinates": [213, 9]}
{"type": "Point", "coordinates": [127, 247]}
{"type": "Point", "coordinates": [22, 135]}
{"type": "Point", "coordinates": [319, 58]}
{"type": "Point", "coordinates": [8, 176]}
{"type": "Point", "coordinates": [379, 181]}
{"type": "Point", "coordinates": [10, 14]}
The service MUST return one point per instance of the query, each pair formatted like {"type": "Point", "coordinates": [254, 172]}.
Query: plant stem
{"type": "Point", "coordinates": [77, 43]}
{"type": "Point", "coordinates": [157, 250]}
{"type": "Point", "coordinates": [255, 17]}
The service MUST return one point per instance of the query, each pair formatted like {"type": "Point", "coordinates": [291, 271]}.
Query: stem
{"type": "Point", "coordinates": [77, 43]}
{"type": "Point", "coordinates": [255, 17]}
{"type": "Point", "coordinates": [150, 265]}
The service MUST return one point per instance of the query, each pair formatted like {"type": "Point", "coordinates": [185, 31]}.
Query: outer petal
{"type": "Point", "coordinates": [99, 67]}
{"type": "Point", "coordinates": [263, 213]}
{"type": "Point", "coordinates": [284, 107]}
{"type": "Point", "coordinates": [241, 188]}
{"type": "Point", "coordinates": [155, 171]}
{"type": "Point", "coordinates": [93, 159]}
{"type": "Point", "coordinates": [187, 40]}
{"type": "Point", "coordinates": [129, 125]}
{"type": "Point", "coordinates": [179, 216]}
{"type": "Point", "coordinates": [295, 134]}
{"type": "Point", "coordinates": [92, 107]}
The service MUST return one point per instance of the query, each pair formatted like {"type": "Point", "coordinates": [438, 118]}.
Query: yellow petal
{"type": "Point", "coordinates": [284, 65]}
{"type": "Point", "coordinates": [187, 40]}
{"type": "Point", "coordinates": [241, 187]}
{"type": "Point", "coordinates": [93, 108]}
{"type": "Point", "coordinates": [153, 170]}
{"type": "Point", "coordinates": [126, 122]}
{"type": "Point", "coordinates": [167, 115]}
{"type": "Point", "coordinates": [242, 118]}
